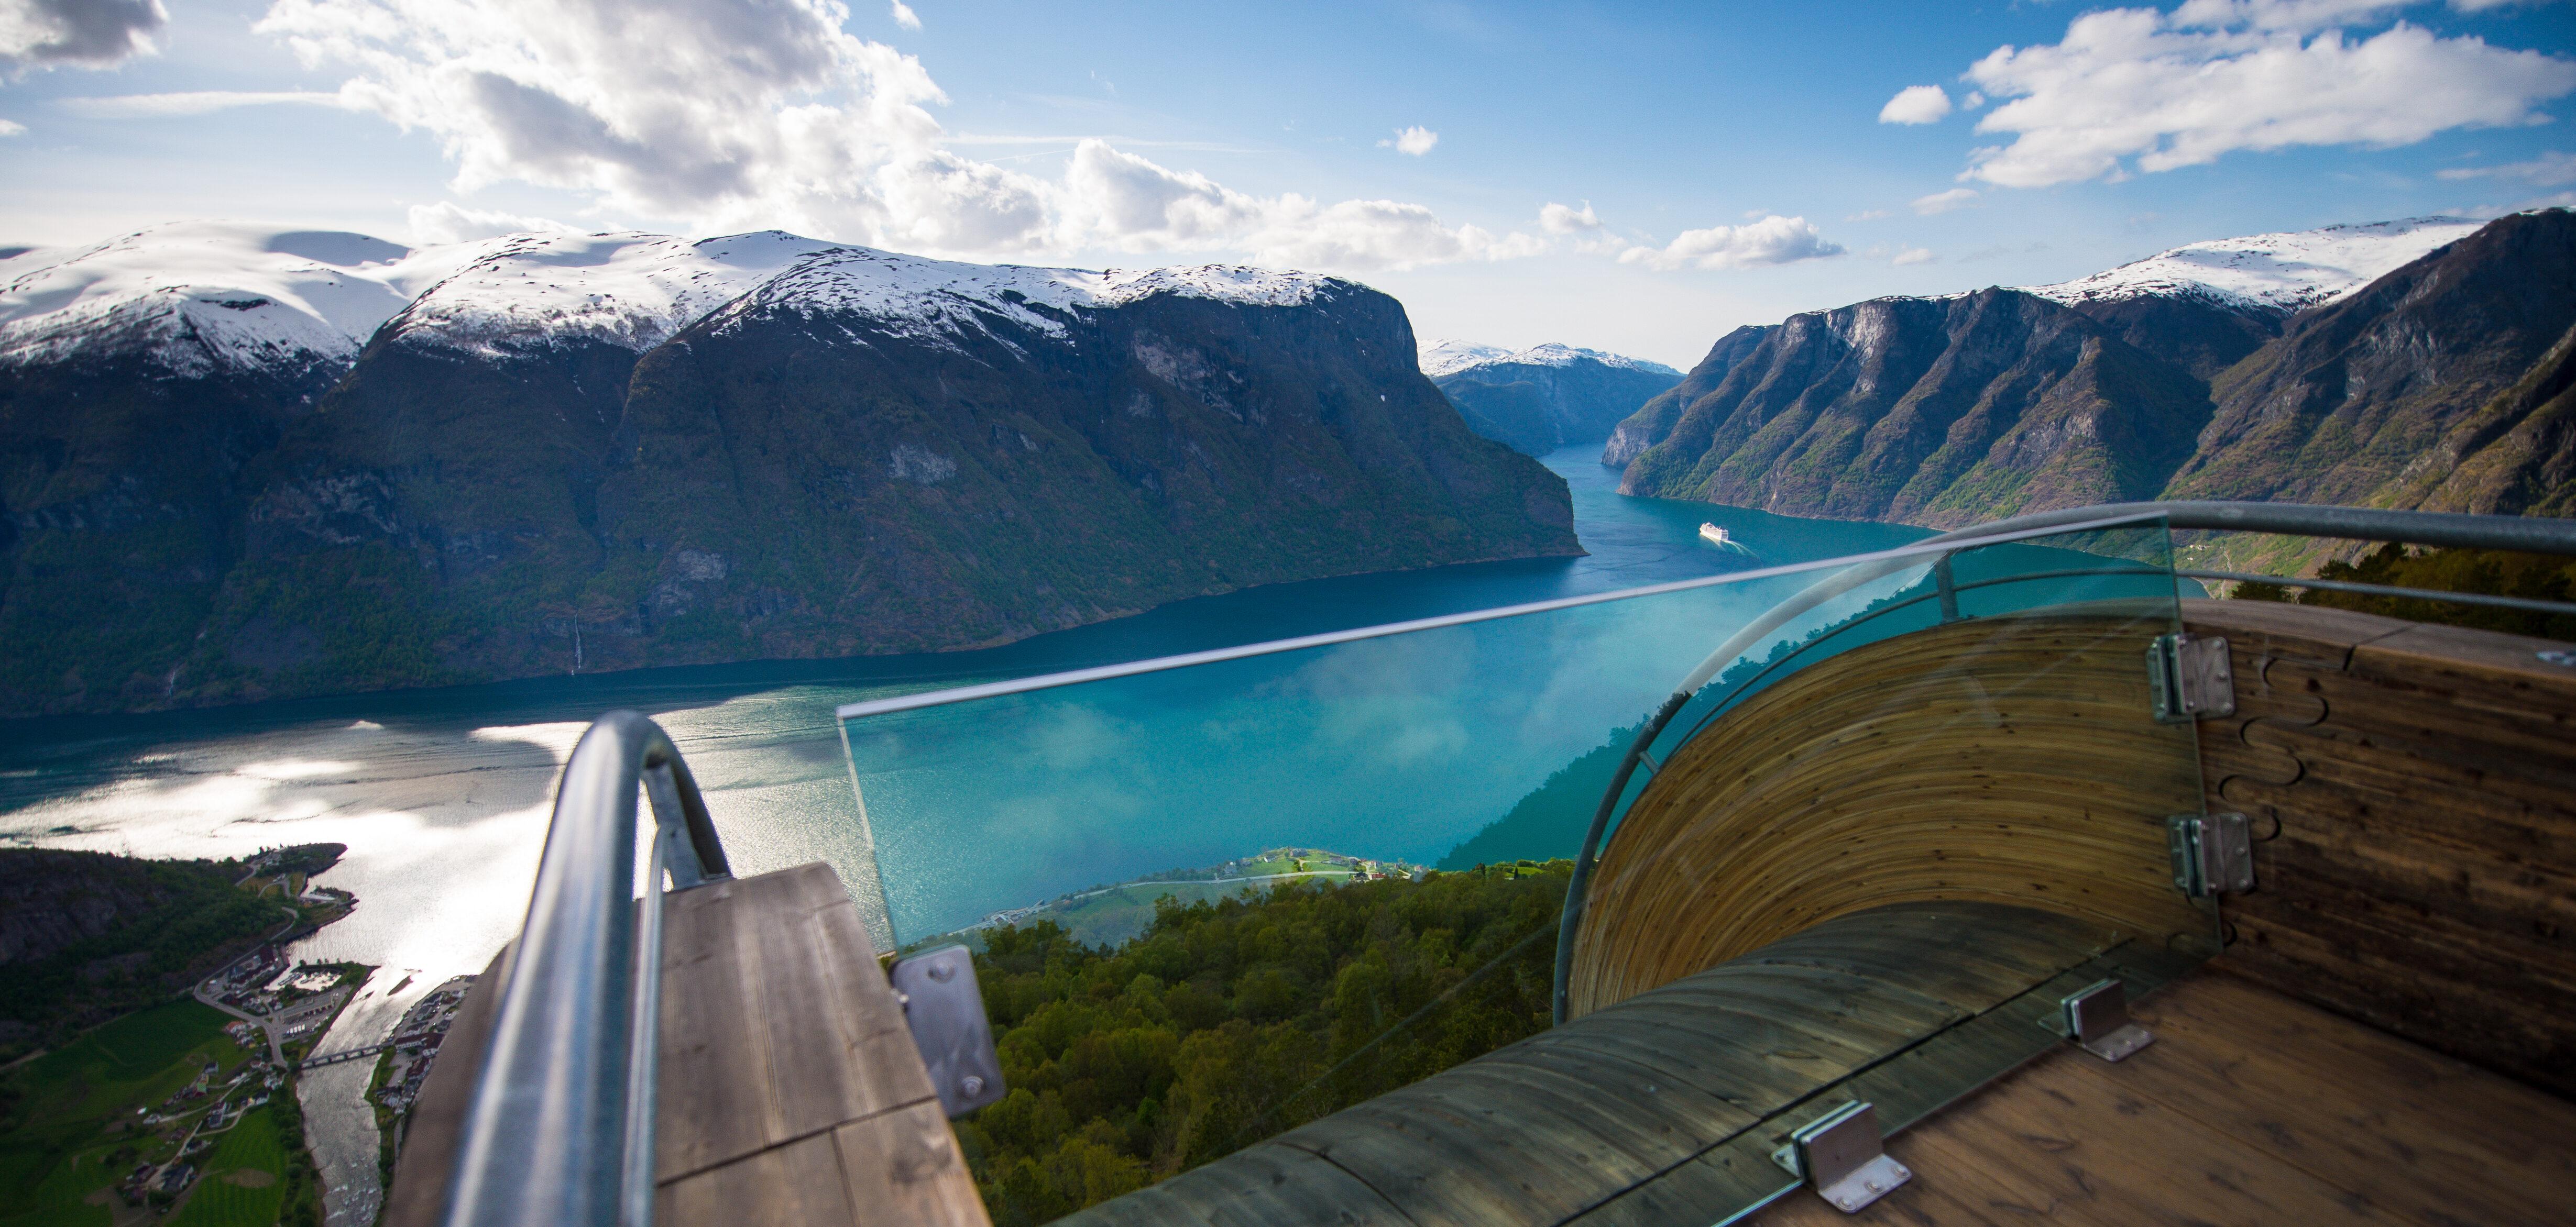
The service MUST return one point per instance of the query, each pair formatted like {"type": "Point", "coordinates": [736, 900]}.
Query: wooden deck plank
{"type": "Point", "coordinates": [2423, 878]}
{"type": "Point", "coordinates": [788, 1186]}
{"type": "Point", "coordinates": [827, 1009]}
{"type": "Point", "coordinates": [790, 1091]}
{"type": "Point", "coordinates": [903, 1166]}
{"type": "Point", "coordinates": [715, 1054]}
{"type": "Point", "coordinates": [2434, 1139]}
{"type": "Point", "coordinates": [2251, 1107]}
{"type": "Point", "coordinates": [1445, 1166]}
{"type": "Point", "coordinates": [1266, 1185]}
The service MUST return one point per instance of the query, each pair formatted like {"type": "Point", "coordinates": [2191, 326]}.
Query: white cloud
{"type": "Point", "coordinates": [1943, 202]}
{"type": "Point", "coordinates": [2167, 90]}
{"type": "Point", "coordinates": [1915, 104]}
{"type": "Point", "coordinates": [1416, 140]}
{"type": "Point", "coordinates": [449, 222]}
{"type": "Point", "coordinates": [1558, 219]}
{"type": "Point", "coordinates": [741, 114]}
{"type": "Point", "coordinates": [155, 106]}
{"type": "Point", "coordinates": [84, 33]}
{"type": "Point", "coordinates": [1773, 240]}
{"type": "Point", "coordinates": [11, 127]}
{"type": "Point", "coordinates": [1913, 255]}
{"type": "Point", "coordinates": [2548, 170]}
{"type": "Point", "coordinates": [1116, 199]}
{"type": "Point", "coordinates": [905, 17]}
{"type": "Point", "coordinates": [1870, 215]}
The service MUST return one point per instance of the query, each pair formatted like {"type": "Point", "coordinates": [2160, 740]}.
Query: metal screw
{"type": "Point", "coordinates": [972, 1085]}
{"type": "Point", "coordinates": [943, 972]}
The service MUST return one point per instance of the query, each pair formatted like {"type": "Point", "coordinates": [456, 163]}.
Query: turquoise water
{"type": "Point", "coordinates": [1392, 749]}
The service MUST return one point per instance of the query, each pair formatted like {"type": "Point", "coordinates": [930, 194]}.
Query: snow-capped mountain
{"type": "Point", "coordinates": [1438, 357]}
{"type": "Point", "coordinates": [1545, 397]}
{"type": "Point", "coordinates": [635, 290]}
{"type": "Point", "coordinates": [202, 297]}
{"type": "Point", "coordinates": [2288, 272]}
{"type": "Point", "coordinates": [294, 463]}
{"type": "Point", "coordinates": [1445, 357]}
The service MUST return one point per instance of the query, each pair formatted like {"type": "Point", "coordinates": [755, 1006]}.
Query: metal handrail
{"type": "Point", "coordinates": [560, 1127]}
{"type": "Point", "coordinates": [2525, 604]}
{"type": "Point", "coordinates": [2526, 534]}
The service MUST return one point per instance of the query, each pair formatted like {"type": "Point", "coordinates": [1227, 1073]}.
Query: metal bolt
{"type": "Point", "coordinates": [1873, 1185]}
{"type": "Point", "coordinates": [943, 972]}
{"type": "Point", "coordinates": [972, 1085]}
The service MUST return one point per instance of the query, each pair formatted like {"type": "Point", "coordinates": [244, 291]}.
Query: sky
{"type": "Point", "coordinates": [1638, 178]}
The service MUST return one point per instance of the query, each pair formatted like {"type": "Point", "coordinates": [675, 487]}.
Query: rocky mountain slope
{"type": "Point", "coordinates": [2421, 363]}
{"type": "Point", "coordinates": [1545, 397]}
{"type": "Point", "coordinates": [550, 453]}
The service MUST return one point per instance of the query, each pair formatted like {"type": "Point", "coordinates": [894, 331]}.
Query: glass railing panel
{"type": "Point", "coordinates": [1487, 744]}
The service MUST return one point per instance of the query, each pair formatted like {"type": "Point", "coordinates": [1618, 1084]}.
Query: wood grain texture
{"type": "Point", "coordinates": [1664, 1104]}
{"type": "Point", "coordinates": [2251, 1107]}
{"type": "Point", "coordinates": [2010, 760]}
{"type": "Point", "coordinates": [790, 1090]}
{"type": "Point", "coordinates": [2414, 790]}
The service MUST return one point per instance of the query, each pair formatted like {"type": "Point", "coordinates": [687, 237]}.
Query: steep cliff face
{"type": "Point", "coordinates": [2389, 396]}
{"type": "Point", "coordinates": [1929, 411]}
{"type": "Point", "coordinates": [1654, 421]}
{"type": "Point", "coordinates": [1550, 396]}
{"type": "Point", "coordinates": [581, 453]}
{"type": "Point", "coordinates": [2428, 363]}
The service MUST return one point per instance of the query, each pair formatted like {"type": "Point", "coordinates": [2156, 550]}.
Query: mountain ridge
{"type": "Point", "coordinates": [2384, 388]}
{"type": "Point", "coordinates": [613, 451]}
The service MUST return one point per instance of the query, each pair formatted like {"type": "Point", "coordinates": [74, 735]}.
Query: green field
{"type": "Point", "coordinates": [68, 1126]}
{"type": "Point", "coordinates": [244, 1184]}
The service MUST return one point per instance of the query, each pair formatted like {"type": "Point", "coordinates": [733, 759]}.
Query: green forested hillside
{"type": "Point", "coordinates": [1227, 1023]}
{"type": "Point", "coordinates": [2537, 577]}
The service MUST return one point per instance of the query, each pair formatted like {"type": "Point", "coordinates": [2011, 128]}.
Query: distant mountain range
{"type": "Point", "coordinates": [2419, 364]}
{"type": "Point", "coordinates": [1545, 397]}
{"type": "Point", "coordinates": [239, 463]}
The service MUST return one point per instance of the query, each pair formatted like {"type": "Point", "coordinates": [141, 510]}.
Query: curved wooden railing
{"type": "Point", "coordinates": [2005, 760]}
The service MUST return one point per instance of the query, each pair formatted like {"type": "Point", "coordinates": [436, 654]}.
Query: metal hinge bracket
{"type": "Point", "coordinates": [945, 1010]}
{"type": "Point", "coordinates": [2211, 854]}
{"type": "Point", "coordinates": [1841, 1156]}
{"type": "Point", "coordinates": [2096, 1017]}
{"type": "Point", "coordinates": [2191, 678]}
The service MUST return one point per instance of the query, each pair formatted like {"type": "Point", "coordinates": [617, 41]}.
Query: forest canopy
{"type": "Point", "coordinates": [1225, 1023]}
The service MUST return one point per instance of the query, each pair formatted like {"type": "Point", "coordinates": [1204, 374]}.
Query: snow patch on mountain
{"type": "Point", "coordinates": [627, 289]}
{"type": "Point", "coordinates": [1440, 358]}
{"type": "Point", "coordinates": [637, 290]}
{"type": "Point", "coordinates": [2284, 272]}
{"type": "Point", "coordinates": [199, 297]}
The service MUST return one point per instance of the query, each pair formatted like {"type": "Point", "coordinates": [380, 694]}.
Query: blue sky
{"type": "Point", "coordinates": [1712, 164]}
